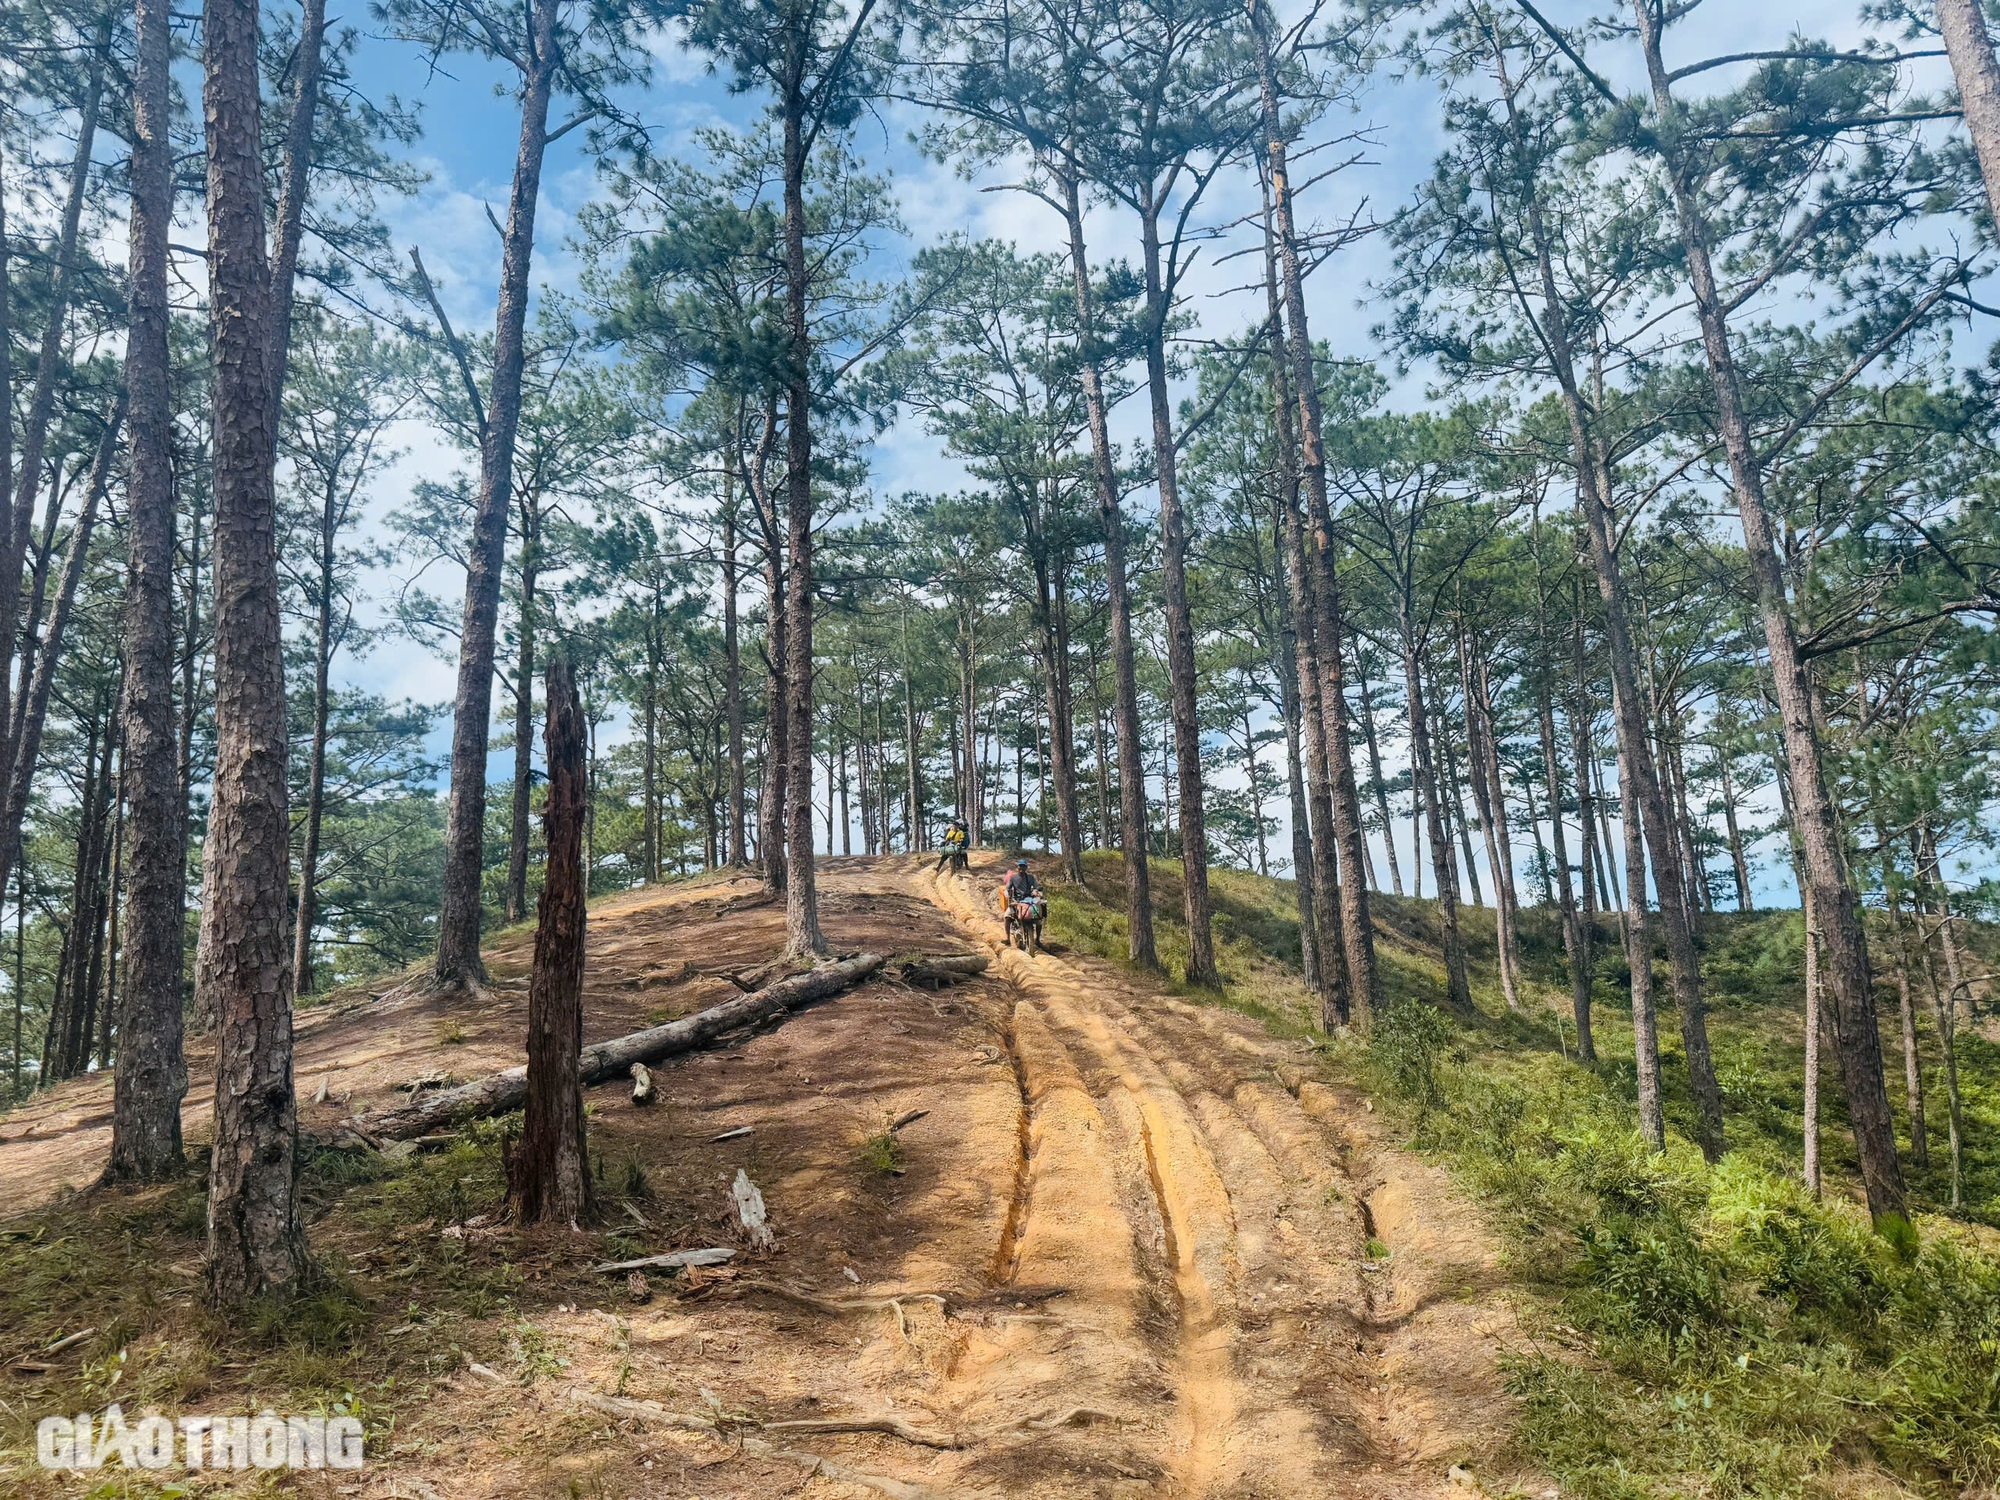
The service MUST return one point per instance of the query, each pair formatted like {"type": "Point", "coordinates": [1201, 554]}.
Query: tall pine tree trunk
{"type": "Point", "coordinates": [308, 913]}
{"type": "Point", "coordinates": [1327, 975]}
{"type": "Point", "coordinates": [296, 182]}
{"type": "Point", "coordinates": [256, 1243]}
{"type": "Point", "coordinates": [732, 687]}
{"type": "Point", "coordinates": [45, 655]}
{"type": "Point", "coordinates": [524, 717]}
{"type": "Point", "coordinates": [803, 937]}
{"type": "Point", "coordinates": [1488, 797]}
{"type": "Point", "coordinates": [1969, 44]}
{"type": "Point", "coordinates": [1577, 936]}
{"type": "Point", "coordinates": [1201, 968]}
{"type": "Point", "coordinates": [1422, 770]}
{"type": "Point", "coordinates": [1139, 945]}
{"type": "Point", "coordinates": [1639, 956]}
{"type": "Point", "coordinates": [1357, 931]}
{"type": "Point", "coordinates": [458, 959]}
{"type": "Point", "coordinates": [1836, 906]}
{"type": "Point", "coordinates": [42, 400]}
{"type": "Point", "coordinates": [548, 1176]}
{"type": "Point", "coordinates": [152, 1070]}
{"type": "Point", "coordinates": [34, 436]}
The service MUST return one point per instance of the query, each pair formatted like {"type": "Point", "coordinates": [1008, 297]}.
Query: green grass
{"type": "Point", "coordinates": [883, 1153]}
{"type": "Point", "coordinates": [1710, 1331]}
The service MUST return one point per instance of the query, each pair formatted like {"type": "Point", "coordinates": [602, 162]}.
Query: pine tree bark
{"type": "Point", "coordinates": [151, 1080]}
{"type": "Point", "coordinates": [1738, 863]}
{"type": "Point", "coordinates": [1639, 957]}
{"type": "Point", "coordinates": [1139, 944]}
{"type": "Point", "coordinates": [1458, 993]}
{"type": "Point", "coordinates": [1198, 905]}
{"type": "Point", "coordinates": [733, 668]}
{"type": "Point", "coordinates": [1357, 930]}
{"type": "Point", "coordinates": [295, 183]}
{"type": "Point", "coordinates": [32, 710]}
{"type": "Point", "coordinates": [913, 764]}
{"type": "Point", "coordinates": [524, 716]}
{"type": "Point", "coordinates": [1305, 885]}
{"type": "Point", "coordinates": [548, 1177]}
{"type": "Point", "coordinates": [1969, 45]}
{"type": "Point", "coordinates": [1055, 684]}
{"type": "Point", "coordinates": [256, 1243]}
{"type": "Point", "coordinates": [1327, 974]}
{"type": "Point", "coordinates": [1488, 797]}
{"type": "Point", "coordinates": [42, 400]}
{"type": "Point", "coordinates": [803, 937]}
{"type": "Point", "coordinates": [1836, 906]}
{"type": "Point", "coordinates": [1380, 786]}
{"type": "Point", "coordinates": [458, 961]}
{"type": "Point", "coordinates": [308, 910]}
{"type": "Point", "coordinates": [1576, 935]}
{"type": "Point", "coordinates": [1913, 1075]}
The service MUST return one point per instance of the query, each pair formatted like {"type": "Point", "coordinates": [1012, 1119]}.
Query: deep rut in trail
{"type": "Point", "coordinates": [1318, 1312]}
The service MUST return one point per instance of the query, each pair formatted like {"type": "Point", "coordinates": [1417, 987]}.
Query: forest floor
{"type": "Point", "coordinates": [1138, 1243]}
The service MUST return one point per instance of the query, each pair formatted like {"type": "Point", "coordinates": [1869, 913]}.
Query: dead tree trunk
{"type": "Point", "coordinates": [256, 1244]}
{"type": "Point", "coordinates": [151, 1079]}
{"type": "Point", "coordinates": [458, 959]}
{"type": "Point", "coordinates": [548, 1176]}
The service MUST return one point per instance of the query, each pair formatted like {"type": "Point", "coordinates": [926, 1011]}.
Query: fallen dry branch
{"type": "Point", "coordinates": [939, 970]}
{"type": "Point", "coordinates": [655, 1415]}
{"type": "Point", "coordinates": [837, 1306]}
{"type": "Point", "coordinates": [894, 1427]}
{"type": "Point", "coordinates": [671, 1261]}
{"type": "Point", "coordinates": [500, 1092]}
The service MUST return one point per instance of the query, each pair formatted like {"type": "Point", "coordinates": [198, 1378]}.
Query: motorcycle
{"type": "Point", "coordinates": [1024, 922]}
{"type": "Point", "coordinates": [954, 848]}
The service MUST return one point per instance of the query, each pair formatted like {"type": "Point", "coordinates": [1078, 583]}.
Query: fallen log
{"type": "Point", "coordinates": [500, 1092]}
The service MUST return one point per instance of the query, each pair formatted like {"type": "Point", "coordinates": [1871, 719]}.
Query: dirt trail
{"type": "Point", "coordinates": [1135, 1246]}
{"type": "Point", "coordinates": [1298, 1362]}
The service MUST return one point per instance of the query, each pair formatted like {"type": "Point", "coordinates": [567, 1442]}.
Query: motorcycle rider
{"type": "Point", "coordinates": [1018, 887]}
{"type": "Point", "coordinates": [955, 840]}
{"type": "Point", "coordinates": [1021, 885]}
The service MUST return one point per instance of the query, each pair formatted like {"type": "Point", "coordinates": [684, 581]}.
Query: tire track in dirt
{"type": "Point", "coordinates": [1302, 1363]}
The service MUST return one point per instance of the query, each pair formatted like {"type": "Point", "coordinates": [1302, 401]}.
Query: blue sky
{"type": "Point", "coordinates": [468, 150]}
